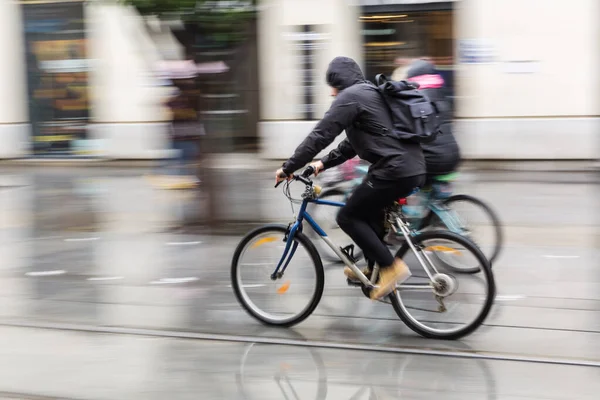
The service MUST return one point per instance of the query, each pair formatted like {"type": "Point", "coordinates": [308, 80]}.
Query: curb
{"type": "Point", "coordinates": [252, 161]}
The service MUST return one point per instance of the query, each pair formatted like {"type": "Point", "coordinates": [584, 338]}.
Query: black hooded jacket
{"type": "Point", "coordinates": [358, 103]}
{"type": "Point", "coordinates": [442, 156]}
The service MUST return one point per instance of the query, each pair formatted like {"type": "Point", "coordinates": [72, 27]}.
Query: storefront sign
{"type": "Point", "coordinates": [378, 32]}
{"type": "Point", "coordinates": [227, 6]}
{"type": "Point", "coordinates": [64, 66]}
{"type": "Point", "coordinates": [475, 51]}
{"type": "Point", "coordinates": [57, 66]}
{"type": "Point", "coordinates": [366, 3]}
{"type": "Point", "coordinates": [306, 36]}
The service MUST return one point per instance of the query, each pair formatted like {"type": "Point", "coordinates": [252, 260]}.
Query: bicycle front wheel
{"type": "Point", "coordinates": [449, 304]}
{"type": "Point", "coordinates": [289, 299]}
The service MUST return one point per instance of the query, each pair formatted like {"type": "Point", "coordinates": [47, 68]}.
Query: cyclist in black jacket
{"type": "Point", "coordinates": [442, 156]}
{"type": "Point", "coordinates": [397, 167]}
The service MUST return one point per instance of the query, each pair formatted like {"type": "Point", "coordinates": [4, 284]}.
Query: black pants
{"type": "Point", "coordinates": [363, 215]}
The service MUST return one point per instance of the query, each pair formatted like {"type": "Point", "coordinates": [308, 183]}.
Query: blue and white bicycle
{"type": "Point", "coordinates": [277, 273]}
{"type": "Point", "coordinates": [437, 208]}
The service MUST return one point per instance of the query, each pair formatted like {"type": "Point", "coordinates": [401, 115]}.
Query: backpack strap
{"type": "Point", "coordinates": [380, 79]}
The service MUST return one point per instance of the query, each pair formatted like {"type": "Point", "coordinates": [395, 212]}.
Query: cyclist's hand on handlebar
{"type": "Point", "coordinates": [318, 167]}
{"type": "Point", "coordinates": [281, 176]}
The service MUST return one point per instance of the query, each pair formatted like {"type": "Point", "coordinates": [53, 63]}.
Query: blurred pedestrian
{"type": "Point", "coordinates": [402, 64]}
{"type": "Point", "coordinates": [442, 156]}
{"type": "Point", "coordinates": [186, 128]}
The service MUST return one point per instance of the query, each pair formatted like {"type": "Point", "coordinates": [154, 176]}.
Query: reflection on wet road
{"type": "Point", "coordinates": [95, 249]}
{"type": "Point", "coordinates": [77, 365]}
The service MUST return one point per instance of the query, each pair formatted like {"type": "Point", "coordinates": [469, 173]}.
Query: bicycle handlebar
{"type": "Point", "coordinates": [303, 177]}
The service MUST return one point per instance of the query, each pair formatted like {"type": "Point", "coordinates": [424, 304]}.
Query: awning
{"type": "Point", "coordinates": [405, 5]}
{"type": "Point", "coordinates": [188, 69]}
{"type": "Point", "coordinates": [400, 2]}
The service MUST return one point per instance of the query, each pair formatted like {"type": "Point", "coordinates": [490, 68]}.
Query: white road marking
{"type": "Point", "coordinates": [165, 281]}
{"type": "Point", "coordinates": [250, 286]}
{"type": "Point", "coordinates": [90, 239]}
{"type": "Point", "coordinates": [182, 243]}
{"type": "Point", "coordinates": [105, 278]}
{"type": "Point", "coordinates": [510, 297]}
{"type": "Point", "coordinates": [555, 256]}
{"type": "Point", "coordinates": [46, 273]}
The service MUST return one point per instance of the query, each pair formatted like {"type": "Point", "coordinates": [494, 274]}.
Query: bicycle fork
{"type": "Point", "coordinates": [290, 249]}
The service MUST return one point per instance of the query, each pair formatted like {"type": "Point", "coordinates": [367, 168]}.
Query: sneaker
{"type": "Point", "coordinates": [352, 276]}
{"type": "Point", "coordinates": [389, 277]}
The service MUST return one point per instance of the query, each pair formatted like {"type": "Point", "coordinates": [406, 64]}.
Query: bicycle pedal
{"type": "Point", "coordinates": [349, 252]}
{"type": "Point", "coordinates": [354, 283]}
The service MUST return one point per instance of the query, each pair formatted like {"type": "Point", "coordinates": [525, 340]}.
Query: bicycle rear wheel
{"type": "Point", "coordinates": [285, 301]}
{"type": "Point", "coordinates": [434, 308]}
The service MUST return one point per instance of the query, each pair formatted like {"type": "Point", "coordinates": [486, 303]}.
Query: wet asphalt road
{"type": "Point", "coordinates": [134, 309]}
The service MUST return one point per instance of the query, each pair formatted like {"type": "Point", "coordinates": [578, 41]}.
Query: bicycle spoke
{"type": "Point", "coordinates": [285, 298]}
{"type": "Point", "coordinates": [452, 304]}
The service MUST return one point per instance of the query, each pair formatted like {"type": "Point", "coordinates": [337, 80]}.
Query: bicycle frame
{"type": "Point", "coordinates": [290, 249]}
{"type": "Point", "coordinates": [303, 215]}
{"type": "Point", "coordinates": [448, 217]}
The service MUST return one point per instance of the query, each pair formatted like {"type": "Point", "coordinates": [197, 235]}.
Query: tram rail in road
{"type": "Point", "coordinates": [411, 350]}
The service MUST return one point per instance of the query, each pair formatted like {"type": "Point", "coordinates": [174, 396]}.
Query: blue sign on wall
{"type": "Point", "coordinates": [475, 51]}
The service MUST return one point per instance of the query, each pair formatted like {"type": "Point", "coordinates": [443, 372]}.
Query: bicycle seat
{"type": "Point", "coordinates": [452, 176]}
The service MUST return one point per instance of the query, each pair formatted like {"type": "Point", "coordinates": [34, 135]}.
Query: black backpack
{"type": "Point", "coordinates": [414, 115]}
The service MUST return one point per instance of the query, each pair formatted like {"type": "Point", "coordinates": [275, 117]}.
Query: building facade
{"type": "Point", "coordinates": [523, 88]}
{"type": "Point", "coordinates": [523, 74]}
{"type": "Point", "coordinates": [77, 81]}
{"type": "Point", "coordinates": [527, 79]}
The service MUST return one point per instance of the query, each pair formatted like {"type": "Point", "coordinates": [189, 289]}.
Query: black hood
{"type": "Point", "coordinates": [420, 67]}
{"type": "Point", "coordinates": [343, 72]}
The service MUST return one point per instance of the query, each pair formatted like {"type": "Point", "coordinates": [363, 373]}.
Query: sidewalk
{"type": "Point", "coordinates": [236, 160]}
{"type": "Point", "coordinates": [534, 206]}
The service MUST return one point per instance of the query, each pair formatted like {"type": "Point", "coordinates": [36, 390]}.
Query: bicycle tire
{"type": "Point", "coordinates": [487, 270]}
{"type": "Point", "coordinates": [493, 216]}
{"type": "Point", "coordinates": [324, 250]}
{"type": "Point", "coordinates": [317, 263]}
{"type": "Point", "coordinates": [499, 236]}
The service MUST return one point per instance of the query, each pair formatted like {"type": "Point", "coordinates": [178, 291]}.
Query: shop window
{"type": "Point", "coordinates": [391, 39]}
